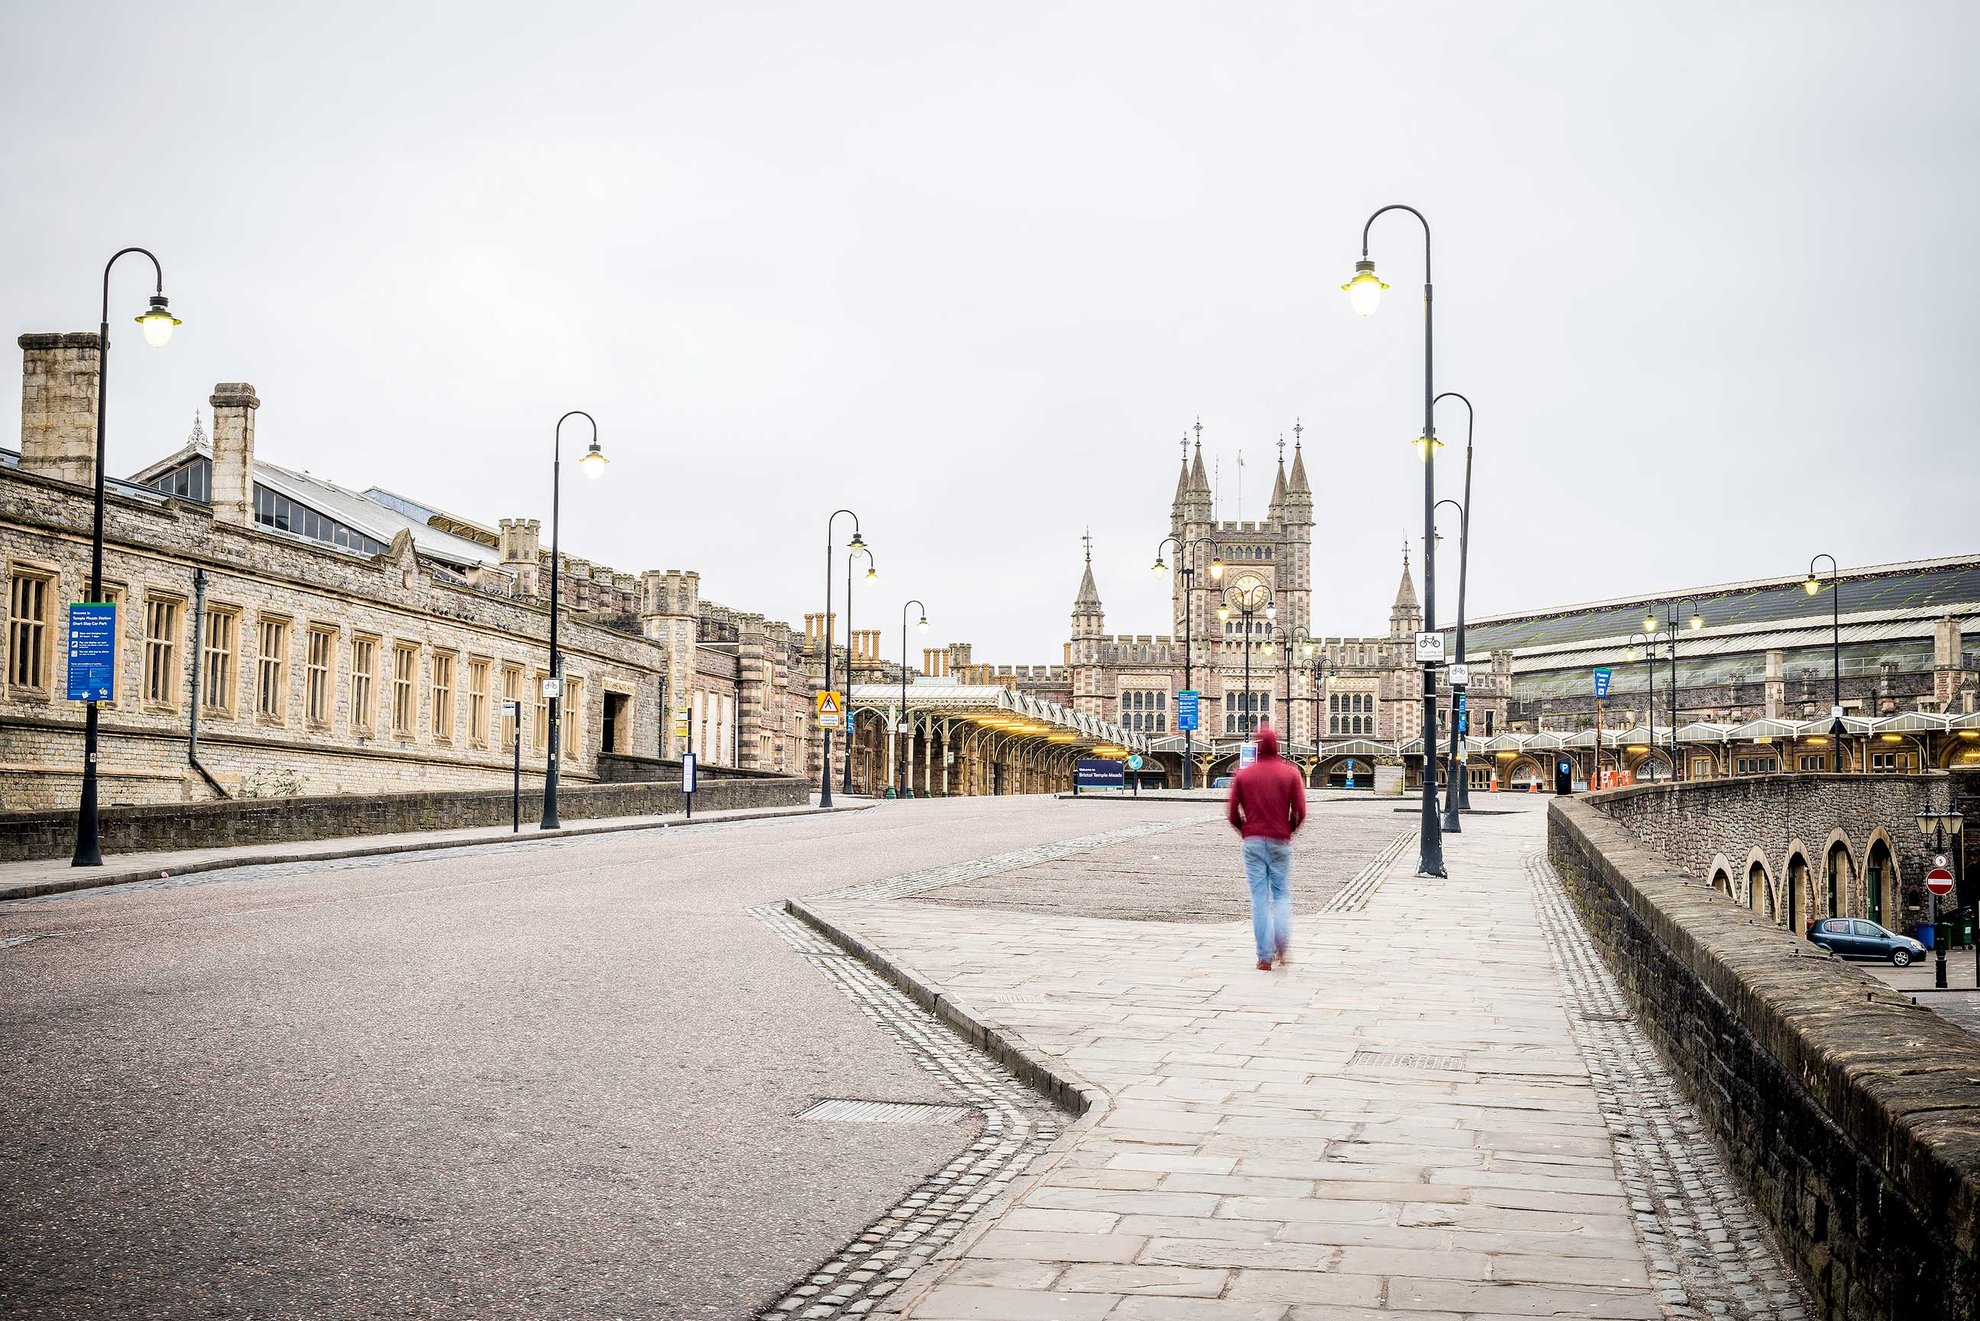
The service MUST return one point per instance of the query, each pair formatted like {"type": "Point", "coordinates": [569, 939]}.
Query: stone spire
{"type": "Point", "coordinates": [1087, 616]}
{"type": "Point", "coordinates": [1279, 483]}
{"type": "Point", "coordinates": [1405, 616]}
{"type": "Point", "coordinates": [1297, 485]}
{"type": "Point", "coordinates": [1196, 504]}
{"type": "Point", "coordinates": [1182, 479]}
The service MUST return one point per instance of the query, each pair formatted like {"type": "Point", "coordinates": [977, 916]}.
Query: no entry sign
{"type": "Point", "coordinates": [1939, 881]}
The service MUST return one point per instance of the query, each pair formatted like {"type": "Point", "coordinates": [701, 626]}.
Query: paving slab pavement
{"type": "Point", "coordinates": [1439, 1109]}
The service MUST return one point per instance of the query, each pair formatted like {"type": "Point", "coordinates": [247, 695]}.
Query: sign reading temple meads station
{"type": "Point", "coordinates": [92, 652]}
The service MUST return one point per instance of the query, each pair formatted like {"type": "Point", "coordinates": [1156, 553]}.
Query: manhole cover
{"type": "Point", "coordinates": [1383, 1059]}
{"type": "Point", "coordinates": [886, 1112]}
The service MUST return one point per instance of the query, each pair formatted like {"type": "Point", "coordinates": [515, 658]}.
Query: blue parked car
{"type": "Point", "coordinates": [1854, 938]}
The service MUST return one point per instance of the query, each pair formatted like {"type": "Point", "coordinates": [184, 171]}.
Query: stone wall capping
{"type": "Point", "coordinates": [1852, 1114]}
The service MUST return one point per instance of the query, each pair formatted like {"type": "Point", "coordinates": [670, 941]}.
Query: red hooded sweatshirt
{"type": "Point", "coordinates": [1268, 797]}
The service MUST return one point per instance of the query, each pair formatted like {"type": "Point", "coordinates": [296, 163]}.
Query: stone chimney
{"type": "Point", "coordinates": [518, 542]}
{"type": "Point", "coordinates": [233, 403]}
{"type": "Point", "coordinates": [59, 375]}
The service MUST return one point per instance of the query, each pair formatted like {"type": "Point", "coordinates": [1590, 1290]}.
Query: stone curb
{"type": "Point", "coordinates": [1058, 1084]}
{"type": "Point", "coordinates": [99, 880]}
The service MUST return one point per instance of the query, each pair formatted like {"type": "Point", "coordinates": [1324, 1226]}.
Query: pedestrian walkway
{"type": "Point", "coordinates": [40, 876]}
{"type": "Point", "coordinates": [1439, 1110]}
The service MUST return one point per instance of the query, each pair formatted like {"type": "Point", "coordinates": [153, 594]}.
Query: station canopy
{"type": "Point", "coordinates": [991, 707]}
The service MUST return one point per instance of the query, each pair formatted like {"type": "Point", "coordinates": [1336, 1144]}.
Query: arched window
{"type": "Point", "coordinates": [1796, 886]}
{"type": "Point", "coordinates": [1722, 882]}
{"type": "Point", "coordinates": [1756, 888]}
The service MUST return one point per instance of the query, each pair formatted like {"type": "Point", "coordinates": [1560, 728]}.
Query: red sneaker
{"type": "Point", "coordinates": [1264, 965]}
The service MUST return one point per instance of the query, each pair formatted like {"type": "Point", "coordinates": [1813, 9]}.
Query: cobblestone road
{"type": "Point", "coordinates": [1442, 1118]}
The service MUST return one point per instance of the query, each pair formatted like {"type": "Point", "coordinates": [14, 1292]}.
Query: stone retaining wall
{"type": "Point", "coordinates": [143, 828]}
{"type": "Point", "coordinates": [1703, 825]}
{"type": "Point", "coordinates": [1851, 1114]}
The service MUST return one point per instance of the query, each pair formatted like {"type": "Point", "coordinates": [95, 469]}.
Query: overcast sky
{"type": "Point", "coordinates": [1705, 269]}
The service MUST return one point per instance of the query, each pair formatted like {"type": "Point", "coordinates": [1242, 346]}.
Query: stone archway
{"type": "Point", "coordinates": [1882, 891]}
{"type": "Point", "coordinates": [1798, 894]}
{"type": "Point", "coordinates": [1759, 890]}
{"type": "Point", "coordinates": [1838, 871]}
{"type": "Point", "coordinates": [1522, 771]}
{"type": "Point", "coordinates": [1722, 881]}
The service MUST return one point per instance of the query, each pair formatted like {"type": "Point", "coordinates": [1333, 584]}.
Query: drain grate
{"type": "Point", "coordinates": [886, 1112]}
{"type": "Point", "coordinates": [1384, 1059]}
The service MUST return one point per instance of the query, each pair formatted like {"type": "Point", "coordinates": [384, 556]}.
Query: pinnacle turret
{"type": "Point", "coordinates": [1406, 615]}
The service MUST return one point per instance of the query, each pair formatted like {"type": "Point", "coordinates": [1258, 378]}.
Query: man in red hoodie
{"type": "Point", "coordinates": [1267, 804]}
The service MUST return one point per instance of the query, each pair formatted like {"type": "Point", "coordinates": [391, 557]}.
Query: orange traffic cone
{"type": "Point", "coordinates": [1533, 786]}
{"type": "Point", "coordinates": [1495, 784]}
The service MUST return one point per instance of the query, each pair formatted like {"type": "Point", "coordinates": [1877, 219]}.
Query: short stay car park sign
{"type": "Point", "coordinates": [92, 652]}
{"type": "Point", "coordinates": [1187, 707]}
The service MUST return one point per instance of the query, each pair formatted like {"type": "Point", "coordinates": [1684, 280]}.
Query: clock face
{"type": "Point", "coordinates": [1249, 590]}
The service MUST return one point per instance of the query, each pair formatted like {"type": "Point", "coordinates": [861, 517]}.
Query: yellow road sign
{"type": "Point", "coordinates": [831, 710]}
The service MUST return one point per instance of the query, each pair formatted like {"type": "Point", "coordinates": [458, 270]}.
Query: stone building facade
{"type": "Point", "coordinates": [1342, 701]}
{"type": "Point", "coordinates": [280, 635]}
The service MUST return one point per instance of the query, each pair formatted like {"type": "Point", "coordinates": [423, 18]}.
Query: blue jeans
{"type": "Point", "coordinates": [1268, 867]}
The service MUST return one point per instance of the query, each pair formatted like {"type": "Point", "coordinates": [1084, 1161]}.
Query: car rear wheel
{"type": "Point", "coordinates": [1901, 958]}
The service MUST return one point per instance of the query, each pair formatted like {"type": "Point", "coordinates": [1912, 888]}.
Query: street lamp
{"type": "Point", "coordinates": [1247, 602]}
{"type": "Point", "coordinates": [1458, 797]}
{"type": "Point", "coordinates": [1673, 612]}
{"type": "Point", "coordinates": [901, 767]}
{"type": "Point", "coordinates": [157, 322]}
{"type": "Point", "coordinates": [872, 572]}
{"type": "Point", "coordinates": [1649, 638]}
{"type": "Point", "coordinates": [1812, 585]}
{"type": "Point", "coordinates": [1186, 565]}
{"type": "Point", "coordinates": [1452, 825]}
{"type": "Point", "coordinates": [1943, 828]}
{"type": "Point", "coordinates": [1364, 291]}
{"type": "Point", "coordinates": [593, 464]}
{"type": "Point", "coordinates": [857, 543]}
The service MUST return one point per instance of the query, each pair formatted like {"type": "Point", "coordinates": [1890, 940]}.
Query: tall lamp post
{"type": "Point", "coordinates": [1649, 638]}
{"type": "Point", "coordinates": [857, 543]}
{"type": "Point", "coordinates": [1316, 664]}
{"type": "Point", "coordinates": [900, 771]}
{"type": "Point", "coordinates": [593, 463]}
{"type": "Point", "coordinates": [1673, 612]}
{"type": "Point", "coordinates": [1299, 639]}
{"type": "Point", "coordinates": [872, 572]}
{"type": "Point", "coordinates": [157, 321]}
{"type": "Point", "coordinates": [1461, 777]}
{"type": "Point", "coordinates": [1943, 828]}
{"type": "Point", "coordinates": [1813, 585]}
{"type": "Point", "coordinates": [1364, 291]}
{"type": "Point", "coordinates": [1186, 566]}
{"type": "Point", "coordinates": [1452, 825]}
{"type": "Point", "coordinates": [1248, 602]}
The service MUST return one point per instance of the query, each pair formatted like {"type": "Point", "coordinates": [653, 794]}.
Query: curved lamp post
{"type": "Point", "coordinates": [593, 463]}
{"type": "Point", "coordinates": [157, 322]}
{"type": "Point", "coordinates": [1186, 565]}
{"type": "Point", "coordinates": [857, 543]}
{"type": "Point", "coordinates": [872, 572]}
{"type": "Point", "coordinates": [1452, 825]}
{"type": "Point", "coordinates": [1673, 613]}
{"type": "Point", "coordinates": [1364, 291]}
{"type": "Point", "coordinates": [1248, 604]}
{"type": "Point", "coordinates": [1812, 586]}
{"type": "Point", "coordinates": [1650, 637]}
{"type": "Point", "coordinates": [1461, 777]}
{"type": "Point", "coordinates": [900, 772]}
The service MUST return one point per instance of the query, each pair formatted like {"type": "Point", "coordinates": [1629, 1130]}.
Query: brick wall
{"type": "Point", "coordinates": [137, 829]}
{"type": "Point", "coordinates": [1852, 1115]}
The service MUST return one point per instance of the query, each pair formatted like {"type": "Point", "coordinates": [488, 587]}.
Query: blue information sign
{"type": "Point", "coordinates": [1601, 683]}
{"type": "Point", "coordinates": [1186, 709]}
{"type": "Point", "coordinates": [1097, 773]}
{"type": "Point", "coordinates": [92, 652]}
